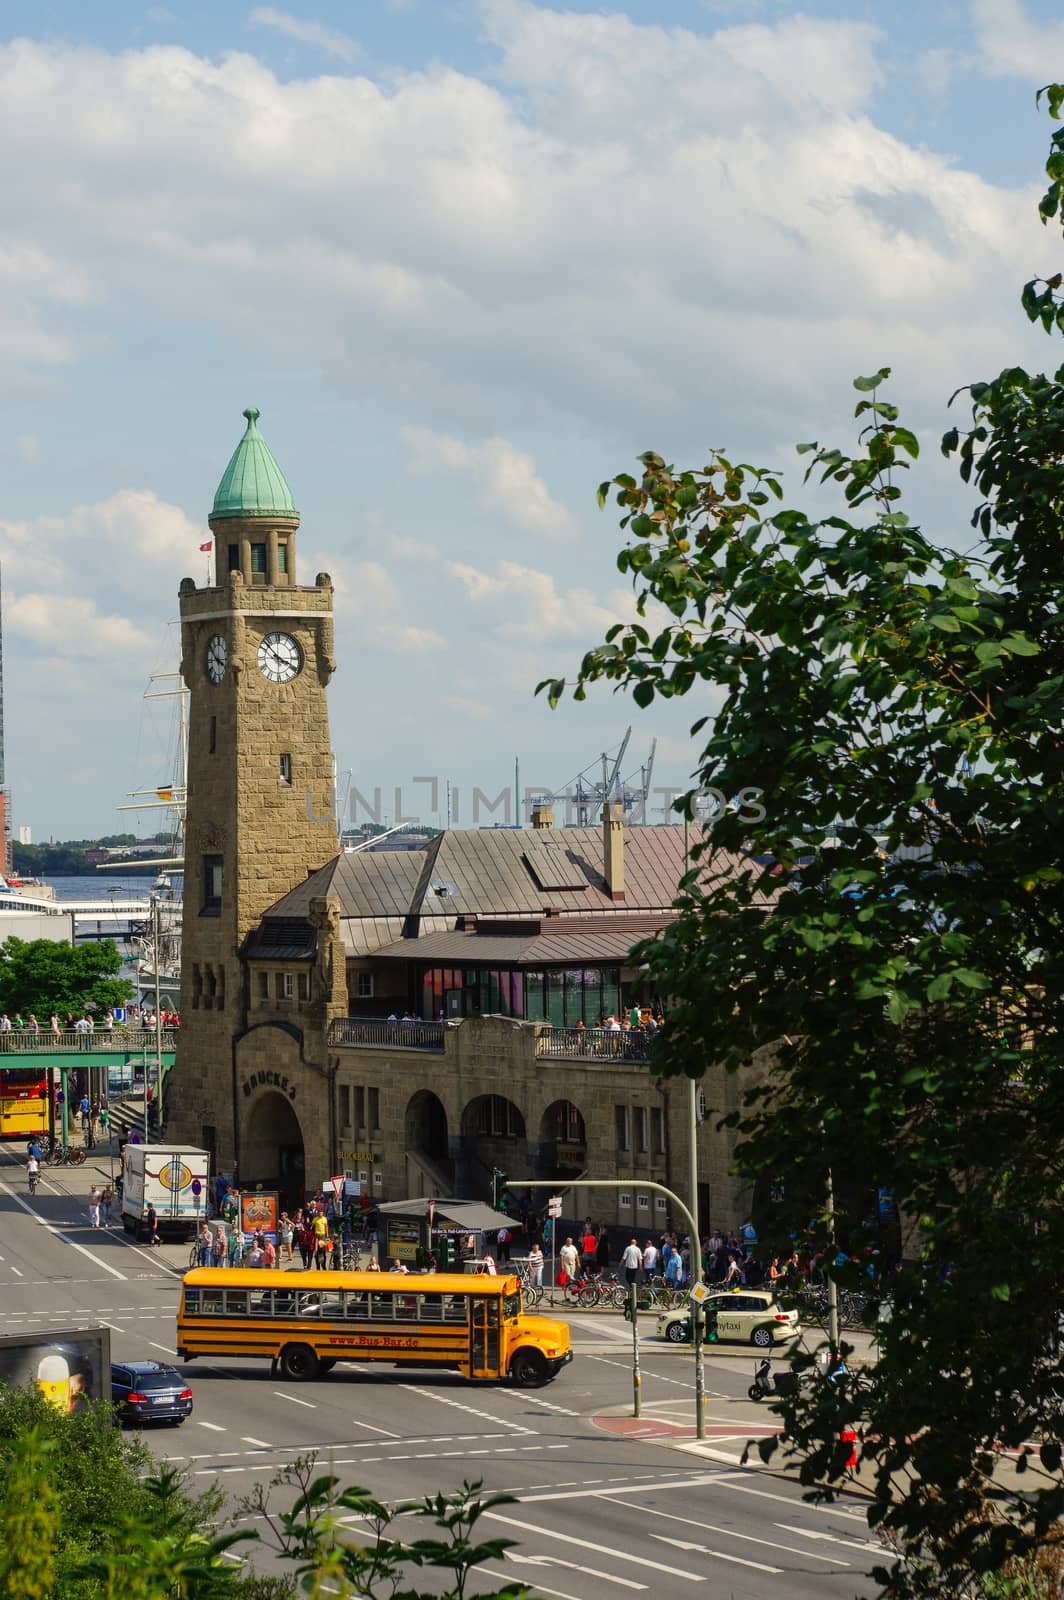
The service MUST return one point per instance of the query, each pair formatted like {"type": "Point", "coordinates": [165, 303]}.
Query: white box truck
{"type": "Point", "coordinates": [172, 1178]}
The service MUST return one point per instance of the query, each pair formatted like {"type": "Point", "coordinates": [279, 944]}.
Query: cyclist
{"type": "Point", "coordinates": [33, 1152]}
{"type": "Point", "coordinates": [33, 1172]}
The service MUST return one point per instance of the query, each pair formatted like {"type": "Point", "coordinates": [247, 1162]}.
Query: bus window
{"type": "Point", "coordinates": [212, 1302]}
{"type": "Point", "coordinates": [431, 1308]}
{"type": "Point", "coordinates": [405, 1308]}
{"type": "Point", "coordinates": [381, 1306]}
{"type": "Point", "coordinates": [192, 1302]}
{"type": "Point", "coordinates": [284, 1303]}
{"type": "Point", "coordinates": [309, 1305]}
{"type": "Point", "coordinates": [261, 1303]}
{"type": "Point", "coordinates": [236, 1302]}
{"type": "Point", "coordinates": [357, 1305]}
{"type": "Point", "coordinates": [511, 1307]}
{"type": "Point", "coordinates": [454, 1308]}
{"type": "Point", "coordinates": [332, 1305]}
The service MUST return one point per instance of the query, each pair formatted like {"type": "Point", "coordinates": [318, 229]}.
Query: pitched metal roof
{"type": "Point", "coordinates": [609, 941]}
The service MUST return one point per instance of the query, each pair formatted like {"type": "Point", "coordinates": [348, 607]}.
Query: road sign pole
{"type": "Point", "coordinates": [637, 1378]}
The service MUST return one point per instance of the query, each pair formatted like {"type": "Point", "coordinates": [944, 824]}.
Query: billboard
{"type": "Point", "coordinates": [258, 1213]}
{"type": "Point", "coordinates": [70, 1367]}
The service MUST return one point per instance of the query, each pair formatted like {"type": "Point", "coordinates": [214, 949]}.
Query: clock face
{"type": "Point", "coordinates": [280, 658]}
{"type": "Point", "coordinates": [217, 658]}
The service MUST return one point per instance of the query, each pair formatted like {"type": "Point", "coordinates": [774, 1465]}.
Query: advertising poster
{"type": "Point", "coordinates": [69, 1368]}
{"type": "Point", "coordinates": [404, 1236]}
{"type": "Point", "coordinates": [259, 1213]}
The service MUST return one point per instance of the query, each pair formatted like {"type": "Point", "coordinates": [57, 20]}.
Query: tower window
{"type": "Point", "coordinates": [197, 986]}
{"type": "Point", "coordinates": [212, 886]}
{"type": "Point", "coordinates": [258, 558]}
{"type": "Point", "coordinates": [234, 558]}
{"type": "Point", "coordinates": [264, 985]}
{"type": "Point", "coordinates": [365, 986]}
{"type": "Point", "coordinates": [303, 985]}
{"type": "Point", "coordinates": [214, 735]}
{"type": "Point", "coordinates": [282, 556]}
{"type": "Point", "coordinates": [286, 771]}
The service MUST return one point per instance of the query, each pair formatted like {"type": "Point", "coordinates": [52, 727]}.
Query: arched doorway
{"type": "Point", "coordinates": [562, 1141]}
{"type": "Point", "coordinates": [272, 1150]}
{"type": "Point", "coordinates": [493, 1137]}
{"type": "Point", "coordinates": [426, 1125]}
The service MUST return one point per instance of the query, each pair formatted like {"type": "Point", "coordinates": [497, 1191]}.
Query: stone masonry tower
{"type": "Point", "coordinates": [256, 655]}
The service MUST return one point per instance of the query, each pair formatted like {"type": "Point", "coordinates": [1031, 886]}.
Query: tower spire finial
{"type": "Point", "coordinates": [253, 414]}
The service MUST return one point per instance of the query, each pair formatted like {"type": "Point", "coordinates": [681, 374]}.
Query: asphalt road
{"type": "Point", "coordinates": [608, 1505]}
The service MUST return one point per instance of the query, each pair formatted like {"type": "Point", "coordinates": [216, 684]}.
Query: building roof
{"type": "Point", "coordinates": [553, 879]}
{"type": "Point", "coordinates": [253, 485]}
{"type": "Point", "coordinates": [472, 1214]}
{"type": "Point", "coordinates": [564, 944]}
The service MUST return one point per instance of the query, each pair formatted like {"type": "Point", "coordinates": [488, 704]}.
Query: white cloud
{"type": "Point", "coordinates": [71, 625]}
{"type": "Point", "coordinates": [503, 475]}
{"type": "Point", "coordinates": [526, 603]}
{"type": "Point", "coordinates": [366, 591]}
{"type": "Point", "coordinates": [328, 40]}
{"type": "Point", "coordinates": [1014, 46]}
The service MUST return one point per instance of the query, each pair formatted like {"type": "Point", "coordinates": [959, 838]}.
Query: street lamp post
{"type": "Point", "coordinates": [655, 1188]}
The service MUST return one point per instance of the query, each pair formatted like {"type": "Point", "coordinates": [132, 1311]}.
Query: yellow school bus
{"type": "Point", "coordinates": [304, 1322]}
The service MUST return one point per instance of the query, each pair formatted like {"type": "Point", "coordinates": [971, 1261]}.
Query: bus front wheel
{"type": "Point", "coordinates": [528, 1369]}
{"type": "Point", "coordinates": [298, 1362]}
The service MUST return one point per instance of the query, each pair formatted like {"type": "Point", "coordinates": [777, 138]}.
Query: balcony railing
{"type": "Point", "coordinates": [110, 1041]}
{"type": "Point", "coordinates": [593, 1044]}
{"type": "Point", "coordinates": [376, 1033]}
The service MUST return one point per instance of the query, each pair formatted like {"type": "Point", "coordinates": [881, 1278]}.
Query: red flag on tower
{"type": "Point", "coordinates": [208, 546]}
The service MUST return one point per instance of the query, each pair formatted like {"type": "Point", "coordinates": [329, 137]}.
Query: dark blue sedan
{"type": "Point", "coordinates": [147, 1391]}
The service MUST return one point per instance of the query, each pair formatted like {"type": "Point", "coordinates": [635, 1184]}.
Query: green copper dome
{"type": "Point", "coordinates": [253, 485]}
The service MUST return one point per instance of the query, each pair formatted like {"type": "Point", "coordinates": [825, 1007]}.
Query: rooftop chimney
{"type": "Point", "coordinates": [613, 851]}
{"type": "Point", "coordinates": [542, 815]}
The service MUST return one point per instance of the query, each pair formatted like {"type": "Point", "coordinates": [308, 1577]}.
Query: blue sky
{"type": "Point", "coordinates": [467, 259]}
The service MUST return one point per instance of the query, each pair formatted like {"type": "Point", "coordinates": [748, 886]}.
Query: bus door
{"type": "Point", "coordinates": [485, 1333]}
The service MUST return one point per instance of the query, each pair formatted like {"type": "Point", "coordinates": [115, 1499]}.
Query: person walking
{"type": "Point", "coordinates": [502, 1244]}
{"type": "Point", "coordinates": [255, 1256]}
{"type": "Point", "coordinates": [151, 1224]}
{"type": "Point", "coordinates": [602, 1248]}
{"type": "Point", "coordinates": [94, 1207]}
{"type": "Point", "coordinates": [269, 1252]}
{"type": "Point", "coordinates": [589, 1245]}
{"type": "Point", "coordinates": [107, 1200]}
{"type": "Point", "coordinates": [287, 1234]}
{"type": "Point", "coordinates": [650, 1260]}
{"type": "Point", "coordinates": [206, 1245]}
{"type": "Point", "coordinates": [535, 1266]}
{"type": "Point", "coordinates": [320, 1229]}
{"type": "Point", "coordinates": [306, 1243]}
{"type": "Point", "coordinates": [568, 1259]}
{"type": "Point", "coordinates": [219, 1249]}
{"type": "Point", "coordinates": [631, 1261]}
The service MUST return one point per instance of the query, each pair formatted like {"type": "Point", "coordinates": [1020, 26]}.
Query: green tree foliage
{"type": "Point", "coordinates": [42, 976]}
{"type": "Point", "coordinates": [82, 1517]}
{"type": "Point", "coordinates": [876, 948]}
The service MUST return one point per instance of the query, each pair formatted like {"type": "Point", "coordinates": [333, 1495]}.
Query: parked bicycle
{"type": "Point", "coordinates": [66, 1155]}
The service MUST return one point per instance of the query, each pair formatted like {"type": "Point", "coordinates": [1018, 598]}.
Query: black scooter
{"type": "Point", "coordinates": [768, 1383]}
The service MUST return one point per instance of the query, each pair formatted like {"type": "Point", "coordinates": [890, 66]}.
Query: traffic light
{"type": "Point", "coordinates": [500, 1195]}
{"type": "Point", "coordinates": [445, 1252]}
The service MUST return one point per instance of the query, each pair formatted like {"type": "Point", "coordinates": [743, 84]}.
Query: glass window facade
{"type": "Point", "coordinates": [563, 996]}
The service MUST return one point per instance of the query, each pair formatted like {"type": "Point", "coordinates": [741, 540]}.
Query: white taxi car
{"type": "Point", "coordinates": [752, 1316]}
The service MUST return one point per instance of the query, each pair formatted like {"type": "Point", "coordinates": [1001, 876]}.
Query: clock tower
{"type": "Point", "coordinates": [256, 656]}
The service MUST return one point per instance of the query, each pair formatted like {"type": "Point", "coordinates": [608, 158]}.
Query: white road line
{"type": "Point", "coordinates": [260, 1444]}
{"type": "Point", "coordinates": [296, 1402]}
{"type": "Point", "coordinates": [59, 1234]}
{"type": "Point", "coordinates": [696, 1481]}
{"type": "Point", "coordinates": [730, 1533]}
{"type": "Point", "coordinates": [215, 1427]}
{"type": "Point", "coordinates": [717, 1555]}
{"type": "Point", "coordinates": [832, 1538]}
{"type": "Point", "coordinates": [17, 1273]}
{"type": "Point", "coordinates": [574, 1566]}
{"type": "Point", "coordinates": [164, 1347]}
{"type": "Point", "coordinates": [386, 1431]}
{"type": "Point", "coordinates": [445, 1400]}
{"type": "Point", "coordinates": [727, 1480]}
{"type": "Point", "coordinates": [601, 1549]}
{"type": "Point", "coordinates": [541, 1588]}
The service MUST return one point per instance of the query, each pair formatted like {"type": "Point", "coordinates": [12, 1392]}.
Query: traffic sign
{"type": "Point", "coordinates": [554, 1206]}
{"type": "Point", "coordinates": [197, 1187]}
{"type": "Point", "coordinates": [338, 1186]}
{"type": "Point", "coordinates": [699, 1292]}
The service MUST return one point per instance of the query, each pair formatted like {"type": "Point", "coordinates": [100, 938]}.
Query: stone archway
{"type": "Point", "coordinates": [493, 1137]}
{"type": "Point", "coordinates": [562, 1141]}
{"type": "Point", "coordinates": [426, 1125]}
{"type": "Point", "coordinates": [272, 1152]}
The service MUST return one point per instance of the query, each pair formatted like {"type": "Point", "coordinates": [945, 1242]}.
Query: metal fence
{"type": "Point", "coordinates": [594, 1044]}
{"type": "Point", "coordinates": [110, 1041]}
{"type": "Point", "coordinates": [380, 1033]}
